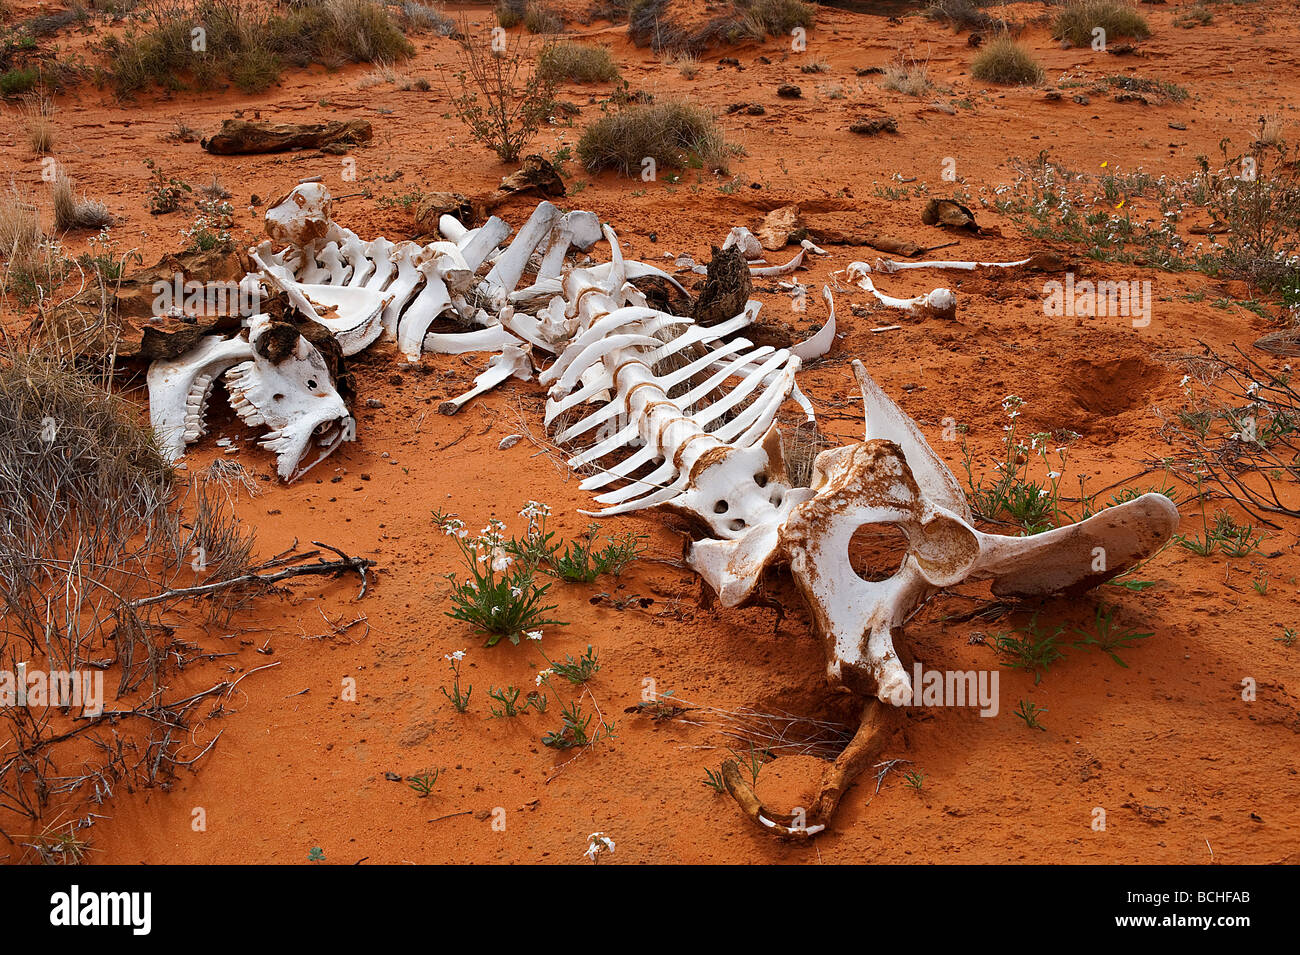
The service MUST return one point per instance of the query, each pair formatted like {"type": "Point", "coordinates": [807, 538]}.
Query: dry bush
{"type": "Point", "coordinates": [576, 63]}
{"type": "Point", "coordinates": [249, 43]}
{"type": "Point", "coordinates": [965, 14]}
{"type": "Point", "coordinates": [73, 213]}
{"type": "Point", "coordinates": [92, 545]}
{"type": "Point", "coordinates": [501, 101]}
{"type": "Point", "coordinates": [1005, 61]}
{"type": "Point", "coordinates": [907, 76]}
{"type": "Point", "coordinates": [673, 134]}
{"type": "Point", "coordinates": [420, 18]}
{"type": "Point", "coordinates": [778, 17]}
{"type": "Point", "coordinates": [1076, 21]}
{"type": "Point", "coordinates": [688, 65]}
{"type": "Point", "coordinates": [37, 111]}
{"type": "Point", "coordinates": [539, 18]}
{"type": "Point", "coordinates": [20, 228]}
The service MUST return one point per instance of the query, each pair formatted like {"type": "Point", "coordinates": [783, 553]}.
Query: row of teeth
{"type": "Point", "coordinates": [196, 409]}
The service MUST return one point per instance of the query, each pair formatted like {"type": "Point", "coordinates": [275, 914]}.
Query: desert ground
{"type": "Point", "coordinates": [344, 703]}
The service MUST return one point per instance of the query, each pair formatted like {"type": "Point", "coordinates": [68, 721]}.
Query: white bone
{"type": "Point", "coordinates": [492, 338]}
{"type": "Point", "coordinates": [774, 270]}
{"type": "Point", "coordinates": [820, 343]}
{"type": "Point", "coordinates": [748, 243]}
{"type": "Point", "coordinates": [179, 389]}
{"type": "Point", "coordinates": [940, 302]}
{"type": "Point", "coordinates": [513, 361]}
{"type": "Point", "coordinates": [890, 265]}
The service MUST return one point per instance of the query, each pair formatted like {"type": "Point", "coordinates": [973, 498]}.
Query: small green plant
{"type": "Point", "coordinates": [424, 783]}
{"type": "Point", "coordinates": [914, 780]}
{"type": "Point", "coordinates": [315, 854]}
{"type": "Point", "coordinates": [582, 562]}
{"type": "Point", "coordinates": [1107, 636]}
{"type": "Point", "coordinates": [458, 699]}
{"type": "Point", "coordinates": [500, 597]}
{"type": "Point", "coordinates": [509, 700]}
{"type": "Point", "coordinates": [714, 781]}
{"type": "Point", "coordinates": [1288, 638]}
{"type": "Point", "coordinates": [166, 193]}
{"type": "Point", "coordinates": [1033, 649]}
{"type": "Point", "coordinates": [211, 229]}
{"type": "Point", "coordinates": [577, 671]}
{"type": "Point", "coordinates": [573, 731]}
{"type": "Point", "coordinates": [1029, 713]}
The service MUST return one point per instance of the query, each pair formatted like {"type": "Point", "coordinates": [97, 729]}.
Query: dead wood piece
{"type": "Point", "coordinates": [241, 137]}
{"type": "Point", "coordinates": [881, 243]}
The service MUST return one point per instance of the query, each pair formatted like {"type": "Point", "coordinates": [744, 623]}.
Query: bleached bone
{"type": "Point", "coordinates": [820, 343]}
{"type": "Point", "coordinates": [509, 266]}
{"type": "Point", "coordinates": [814, 249]}
{"type": "Point", "coordinates": [294, 398]}
{"type": "Point", "coordinates": [179, 390]}
{"type": "Point", "coordinates": [770, 271]}
{"type": "Point", "coordinates": [302, 218]}
{"type": "Point", "coordinates": [748, 243]}
{"type": "Point", "coordinates": [492, 338]}
{"type": "Point", "coordinates": [514, 361]}
{"type": "Point", "coordinates": [353, 314]}
{"type": "Point", "coordinates": [940, 302]}
{"type": "Point", "coordinates": [446, 276]}
{"type": "Point", "coordinates": [894, 477]}
{"type": "Point", "coordinates": [1042, 261]}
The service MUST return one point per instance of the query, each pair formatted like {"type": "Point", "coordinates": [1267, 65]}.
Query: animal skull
{"type": "Point", "coordinates": [275, 377]}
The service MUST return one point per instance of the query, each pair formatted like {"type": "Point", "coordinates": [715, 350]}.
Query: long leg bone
{"type": "Point", "coordinates": [940, 302]}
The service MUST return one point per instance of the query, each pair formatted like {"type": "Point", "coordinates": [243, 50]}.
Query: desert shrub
{"type": "Point", "coordinates": [673, 134]}
{"type": "Point", "coordinates": [1256, 195]}
{"type": "Point", "coordinates": [1075, 23]}
{"type": "Point", "coordinates": [907, 76]}
{"type": "Point", "coordinates": [964, 14]}
{"type": "Point", "coordinates": [510, 13]}
{"type": "Point", "coordinates": [37, 111]}
{"type": "Point", "coordinates": [1004, 60]}
{"type": "Point", "coordinates": [20, 228]}
{"type": "Point", "coordinates": [576, 63]}
{"type": "Point", "coordinates": [500, 100]}
{"type": "Point", "coordinates": [71, 212]}
{"type": "Point", "coordinates": [539, 18]}
{"type": "Point", "coordinates": [19, 80]}
{"type": "Point", "coordinates": [248, 46]}
{"type": "Point", "coordinates": [778, 17]}
{"type": "Point", "coordinates": [1197, 16]}
{"type": "Point", "coordinates": [419, 18]}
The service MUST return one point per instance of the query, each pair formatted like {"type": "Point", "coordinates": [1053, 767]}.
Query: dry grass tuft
{"type": "Point", "coordinates": [673, 134]}
{"type": "Point", "coordinates": [1007, 62]}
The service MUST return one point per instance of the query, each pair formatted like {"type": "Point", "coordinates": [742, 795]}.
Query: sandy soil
{"type": "Point", "coordinates": [1186, 771]}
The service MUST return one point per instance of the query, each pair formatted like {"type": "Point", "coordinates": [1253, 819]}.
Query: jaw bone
{"type": "Point", "coordinates": [179, 390]}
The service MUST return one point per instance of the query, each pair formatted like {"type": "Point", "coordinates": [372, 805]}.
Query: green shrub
{"type": "Point", "coordinates": [1006, 61]}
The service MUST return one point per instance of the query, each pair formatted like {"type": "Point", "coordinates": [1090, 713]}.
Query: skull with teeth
{"type": "Point", "coordinates": [275, 378]}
